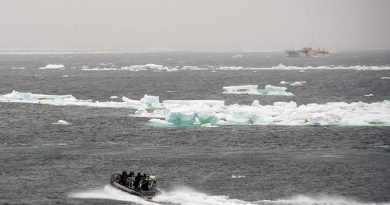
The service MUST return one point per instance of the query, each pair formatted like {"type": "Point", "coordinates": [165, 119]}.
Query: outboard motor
{"type": "Point", "coordinates": [152, 182]}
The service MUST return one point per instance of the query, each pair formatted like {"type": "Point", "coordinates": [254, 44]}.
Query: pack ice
{"type": "Point", "coordinates": [215, 113]}
{"type": "Point", "coordinates": [159, 68]}
{"type": "Point", "coordinates": [211, 113]}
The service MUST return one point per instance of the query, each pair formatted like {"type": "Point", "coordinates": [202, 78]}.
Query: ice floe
{"type": "Point", "coordinates": [280, 113]}
{"type": "Point", "coordinates": [114, 97]}
{"type": "Point", "coordinates": [241, 89]}
{"type": "Point", "coordinates": [159, 68]}
{"type": "Point", "coordinates": [147, 102]}
{"type": "Point", "coordinates": [331, 67]}
{"type": "Point", "coordinates": [238, 176]}
{"type": "Point", "coordinates": [284, 82]}
{"type": "Point", "coordinates": [237, 56]}
{"type": "Point", "coordinates": [53, 66]}
{"type": "Point", "coordinates": [210, 113]}
{"type": "Point", "coordinates": [146, 67]}
{"type": "Point", "coordinates": [296, 83]}
{"type": "Point", "coordinates": [369, 95]}
{"type": "Point", "coordinates": [18, 68]}
{"type": "Point", "coordinates": [385, 78]}
{"type": "Point", "coordinates": [86, 68]}
{"type": "Point", "coordinates": [65, 76]}
{"type": "Point", "coordinates": [253, 90]}
{"type": "Point", "coordinates": [61, 122]}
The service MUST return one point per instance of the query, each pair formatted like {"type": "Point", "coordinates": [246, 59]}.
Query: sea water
{"type": "Point", "coordinates": [63, 152]}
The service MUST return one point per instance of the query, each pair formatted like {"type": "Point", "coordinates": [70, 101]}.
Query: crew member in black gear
{"type": "Point", "coordinates": [124, 178]}
{"type": "Point", "coordinates": [145, 185]}
{"type": "Point", "coordinates": [137, 180]}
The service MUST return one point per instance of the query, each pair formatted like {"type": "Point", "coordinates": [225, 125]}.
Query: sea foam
{"type": "Point", "coordinates": [188, 196]}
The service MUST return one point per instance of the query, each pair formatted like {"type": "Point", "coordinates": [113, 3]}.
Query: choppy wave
{"type": "Point", "coordinates": [188, 196]}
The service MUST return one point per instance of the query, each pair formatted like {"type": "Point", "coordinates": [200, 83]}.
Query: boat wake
{"type": "Point", "coordinates": [110, 193]}
{"type": "Point", "coordinates": [188, 196]}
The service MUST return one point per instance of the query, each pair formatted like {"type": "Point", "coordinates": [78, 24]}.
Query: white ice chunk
{"type": "Point", "coordinates": [150, 66]}
{"type": "Point", "coordinates": [158, 68]}
{"type": "Point", "coordinates": [369, 95]}
{"type": "Point", "coordinates": [186, 67]}
{"type": "Point", "coordinates": [61, 122]}
{"type": "Point", "coordinates": [284, 82]}
{"type": "Point", "coordinates": [280, 113]}
{"type": "Point", "coordinates": [64, 100]}
{"type": "Point", "coordinates": [181, 103]}
{"type": "Point", "coordinates": [18, 68]}
{"type": "Point", "coordinates": [65, 76]}
{"type": "Point", "coordinates": [274, 90]}
{"type": "Point", "coordinates": [237, 56]}
{"type": "Point", "coordinates": [151, 102]}
{"type": "Point", "coordinates": [99, 69]}
{"type": "Point", "coordinates": [216, 113]}
{"type": "Point", "coordinates": [231, 68]}
{"type": "Point", "coordinates": [240, 89]}
{"type": "Point", "coordinates": [53, 66]}
{"type": "Point", "coordinates": [302, 69]}
{"type": "Point", "coordinates": [114, 97]}
{"type": "Point", "coordinates": [384, 78]}
{"type": "Point", "coordinates": [238, 176]}
{"type": "Point", "coordinates": [253, 90]}
{"type": "Point", "coordinates": [298, 83]}
{"type": "Point", "coordinates": [142, 112]}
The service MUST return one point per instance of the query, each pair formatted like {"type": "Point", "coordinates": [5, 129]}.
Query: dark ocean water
{"type": "Point", "coordinates": [43, 163]}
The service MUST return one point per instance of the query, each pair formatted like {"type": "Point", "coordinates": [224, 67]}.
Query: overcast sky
{"type": "Point", "coordinates": [194, 24]}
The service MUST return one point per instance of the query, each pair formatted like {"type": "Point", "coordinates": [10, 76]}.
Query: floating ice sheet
{"type": "Point", "coordinates": [61, 122]}
{"type": "Point", "coordinates": [210, 113]}
{"type": "Point", "coordinates": [280, 113]}
{"type": "Point", "coordinates": [159, 68]}
{"type": "Point", "coordinates": [296, 83]}
{"type": "Point", "coordinates": [18, 68]}
{"type": "Point", "coordinates": [147, 102]}
{"type": "Point", "coordinates": [146, 67]}
{"type": "Point", "coordinates": [253, 90]}
{"type": "Point", "coordinates": [53, 66]}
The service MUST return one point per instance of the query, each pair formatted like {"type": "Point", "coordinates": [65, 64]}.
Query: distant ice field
{"type": "Point", "coordinates": [65, 129]}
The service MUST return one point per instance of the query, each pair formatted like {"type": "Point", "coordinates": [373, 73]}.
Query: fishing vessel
{"type": "Point", "coordinates": [307, 52]}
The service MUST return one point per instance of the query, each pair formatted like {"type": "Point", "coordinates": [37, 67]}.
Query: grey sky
{"type": "Point", "coordinates": [194, 24]}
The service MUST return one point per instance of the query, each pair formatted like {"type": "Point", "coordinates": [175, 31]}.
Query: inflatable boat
{"type": "Point", "coordinates": [146, 188]}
